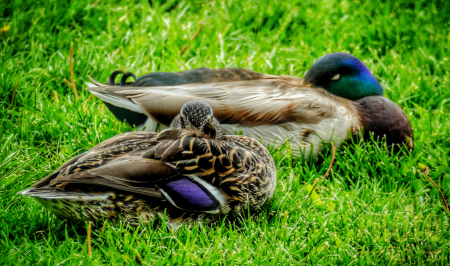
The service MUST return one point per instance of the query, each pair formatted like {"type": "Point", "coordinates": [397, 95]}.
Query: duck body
{"type": "Point", "coordinates": [269, 108]}
{"type": "Point", "coordinates": [181, 172]}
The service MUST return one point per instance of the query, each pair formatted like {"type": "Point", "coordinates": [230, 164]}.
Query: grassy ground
{"type": "Point", "coordinates": [374, 208]}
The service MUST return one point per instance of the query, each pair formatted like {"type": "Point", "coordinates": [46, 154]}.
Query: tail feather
{"type": "Point", "coordinates": [67, 195]}
{"type": "Point", "coordinates": [96, 83]}
{"type": "Point", "coordinates": [122, 108]}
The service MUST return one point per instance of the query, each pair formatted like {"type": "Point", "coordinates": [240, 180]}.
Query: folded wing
{"type": "Point", "coordinates": [272, 100]}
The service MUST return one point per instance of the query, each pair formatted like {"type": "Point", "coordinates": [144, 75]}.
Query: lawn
{"type": "Point", "coordinates": [375, 207]}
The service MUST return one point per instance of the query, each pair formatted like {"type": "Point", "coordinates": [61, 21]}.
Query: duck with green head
{"type": "Point", "coordinates": [338, 95]}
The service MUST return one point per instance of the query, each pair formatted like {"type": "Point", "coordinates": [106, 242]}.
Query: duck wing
{"type": "Point", "coordinates": [198, 75]}
{"type": "Point", "coordinates": [150, 164]}
{"type": "Point", "coordinates": [115, 163]}
{"type": "Point", "coordinates": [239, 169]}
{"type": "Point", "coordinates": [125, 110]}
{"type": "Point", "coordinates": [268, 101]}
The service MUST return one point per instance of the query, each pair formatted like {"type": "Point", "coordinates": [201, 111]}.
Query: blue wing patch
{"type": "Point", "coordinates": [193, 194]}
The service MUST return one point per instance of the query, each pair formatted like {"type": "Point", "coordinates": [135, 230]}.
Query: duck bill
{"type": "Point", "coordinates": [384, 119]}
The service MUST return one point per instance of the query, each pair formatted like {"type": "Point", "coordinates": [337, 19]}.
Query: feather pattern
{"type": "Point", "coordinates": [270, 108]}
{"type": "Point", "coordinates": [137, 176]}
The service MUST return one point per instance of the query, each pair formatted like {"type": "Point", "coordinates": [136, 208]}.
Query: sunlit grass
{"type": "Point", "coordinates": [374, 208]}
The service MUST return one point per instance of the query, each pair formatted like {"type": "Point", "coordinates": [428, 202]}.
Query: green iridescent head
{"type": "Point", "coordinates": [343, 75]}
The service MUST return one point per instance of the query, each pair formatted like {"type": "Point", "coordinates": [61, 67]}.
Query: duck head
{"type": "Point", "coordinates": [343, 75]}
{"type": "Point", "coordinates": [198, 114]}
{"type": "Point", "coordinates": [346, 76]}
{"type": "Point", "coordinates": [384, 119]}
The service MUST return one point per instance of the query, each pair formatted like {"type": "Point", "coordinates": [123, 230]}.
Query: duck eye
{"type": "Point", "coordinates": [336, 77]}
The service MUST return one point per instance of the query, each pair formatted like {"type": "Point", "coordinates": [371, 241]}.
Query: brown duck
{"type": "Point", "coordinates": [190, 171]}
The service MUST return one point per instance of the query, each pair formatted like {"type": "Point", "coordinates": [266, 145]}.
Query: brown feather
{"type": "Point", "coordinates": [121, 177]}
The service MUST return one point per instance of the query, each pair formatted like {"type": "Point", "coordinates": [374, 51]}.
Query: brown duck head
{"type": "Point", "coordinates": [384, 119]}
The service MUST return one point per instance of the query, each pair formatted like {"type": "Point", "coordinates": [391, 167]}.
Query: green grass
{"type": "Point", "coordinates": [375, 207]}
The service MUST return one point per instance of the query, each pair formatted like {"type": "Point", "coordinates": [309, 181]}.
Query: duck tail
{"type": "Point", "coordinates": [123, 108]}
{"type": "Point", "coordinates": [57, 194]}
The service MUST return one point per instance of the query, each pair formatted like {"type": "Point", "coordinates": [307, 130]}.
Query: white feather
{"type": "Point", "coordinates": [68, 195]}
{"type": "Point", "coordinates": [118, 101]}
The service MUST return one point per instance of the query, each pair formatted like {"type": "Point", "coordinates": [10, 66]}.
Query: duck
{"type": "Point", "coordinates": [190, 172]}
{"type": "Point", "coordinates": [337, 100]}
